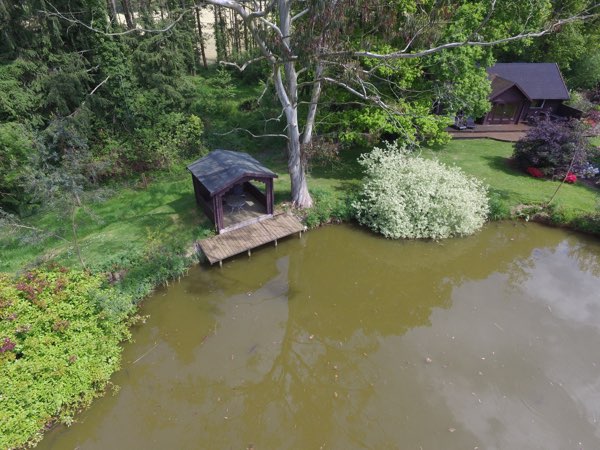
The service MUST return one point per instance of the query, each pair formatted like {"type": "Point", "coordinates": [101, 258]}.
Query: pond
{"type": "Point", "coordinates": [344, 340]}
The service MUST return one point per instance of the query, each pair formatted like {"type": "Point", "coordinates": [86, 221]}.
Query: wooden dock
{"type": "Point", "coordinates": [220, 247]}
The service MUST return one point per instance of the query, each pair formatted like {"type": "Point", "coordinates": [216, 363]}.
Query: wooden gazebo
{"type": "Point", "coordinates": [223, 187]}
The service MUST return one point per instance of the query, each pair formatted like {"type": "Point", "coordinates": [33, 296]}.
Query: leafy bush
{"type": "Point", "coordinates": [586, 72]}
{"type": "Point", "coordinates": [580, 101]}
{"type": "Point", "coordinates": [551, 146]}
{"type": "Point", "coordinates": [16, 143]}
{"type": "Point", "coordinates": [327, 208]}
{"type": "Point", "coordinates": [363, 125]}
{"type": "Point", "coordinates": [58, 347]}
{"type": "Point", "coordinates": [498, 208]}
{"type": "Point", "coordinates": [139, 272]}
{"type": "Point", "coordinates": [406, 196]}
{"type": "Point", "coordinates": [173, 137]}
{"type": "Point", "coordinates": [588, 223]}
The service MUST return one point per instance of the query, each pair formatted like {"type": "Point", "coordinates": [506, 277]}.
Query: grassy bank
{"type": "Point", "coordinates": [161, 214]}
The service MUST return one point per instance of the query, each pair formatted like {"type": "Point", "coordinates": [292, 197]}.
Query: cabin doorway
{"type": "Point", "coordinates": [502, 113]}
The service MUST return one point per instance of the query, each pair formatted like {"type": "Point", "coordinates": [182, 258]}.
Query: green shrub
{"type": "Point", "coordinates": [58, 348]}
{"type": "Point", "coordinates": [173, 137]}
{"type": "Point", "coordinates": [588, 223]}
{"type": "Point", "coordinates": [16, 143]}
{"type": "Point", "coordinates": [327, 208]}
{"type": "Point", "coordinates": [586, 71]}
{"type": "Point", "coordinates": [137, 273]}
{"type": "Point", "coordinates": [498, 208]}
{"type": "Point", "coordinates": [580, 101]}
{"type": "Point", "coordinates": [406, 196]}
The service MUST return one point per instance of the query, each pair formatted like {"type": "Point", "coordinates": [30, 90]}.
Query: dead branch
{"type": "Point", "coordinates": [243, 66]}
{"type": "Point", "coordinates": [89, 95]}
{"type": "Point", "coordinates": [10, 221]}
{"type": "Point", "coordinates": [252, 134]}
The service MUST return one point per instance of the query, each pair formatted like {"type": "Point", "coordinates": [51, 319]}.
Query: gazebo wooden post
{"type": "Point", "coordinates": [218, 212]}
{"type": "Point", "coordinates": [269, 195]}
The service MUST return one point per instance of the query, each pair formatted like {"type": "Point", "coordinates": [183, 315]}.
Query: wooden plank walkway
{"type": "Point", "coordinates": [220, 247]}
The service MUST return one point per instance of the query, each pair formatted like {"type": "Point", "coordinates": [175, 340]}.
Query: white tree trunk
{"type": "Point", "coordinates": [300, 196]}
{"type": "Point", "coordinates": [312, 108]}
{"type": "Point", "coordinates": [288, 96]}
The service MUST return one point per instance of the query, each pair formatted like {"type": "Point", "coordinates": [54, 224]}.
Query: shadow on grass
{"type": "Point", "coordinates": [282, 195]}
{"type": "Point", "coordinates": [349, 188]}
{"type": "Point", "coordinates": [183, 205]}
{"type": "Point", "coordinates": [346, 168]}
{"type": "Point", "coordinates": [504, 165]}
{"type": "Point", "coordinates": [501, 194]}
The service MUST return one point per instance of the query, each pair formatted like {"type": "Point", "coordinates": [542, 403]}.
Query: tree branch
{"type": "Point", "coordinates": [251, 133]}
{"type": "Point", "coordinates": [300, 14]}
{"type": "Point", "coordinates": [402, 55]}
{"type": "Point", "coordinates": [243, 66]}
{"type": "Point", "coordinates": [8, 220]}
{"type": "Point", "coordinates": [98, 87]}
{"type": "Point", "coordinates": [89, 95]}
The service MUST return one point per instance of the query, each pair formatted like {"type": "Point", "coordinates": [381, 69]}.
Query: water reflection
{"type": "Point", "coordinates": [345, 340]}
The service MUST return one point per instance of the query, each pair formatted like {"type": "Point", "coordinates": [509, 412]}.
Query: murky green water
{"type": "Point", "coordinates": [342, 340]}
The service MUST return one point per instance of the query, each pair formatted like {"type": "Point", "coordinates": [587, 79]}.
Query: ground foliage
{"type": "Point", "coordinates": [406, 196]}
{"type": "Point", "coordinates": [60, 335]}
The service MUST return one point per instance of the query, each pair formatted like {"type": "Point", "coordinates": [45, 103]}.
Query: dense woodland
{"type": "Point", "coordinates": [100, 90]}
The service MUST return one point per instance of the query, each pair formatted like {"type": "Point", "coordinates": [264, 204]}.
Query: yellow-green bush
{"type": "Point", "coordinates": [58, 347]}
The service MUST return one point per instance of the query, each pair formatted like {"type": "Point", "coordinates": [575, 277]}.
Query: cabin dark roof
{"type": "Point", "coordinates": [537, 81]}
{"type": "Point", "coordinates": [223, 168]}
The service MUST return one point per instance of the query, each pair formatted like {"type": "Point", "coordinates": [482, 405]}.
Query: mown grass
{"type": "Point", "coordinates": [488, 160]}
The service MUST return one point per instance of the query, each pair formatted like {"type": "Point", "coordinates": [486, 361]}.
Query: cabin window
{"type": "Point", "coordinates": [537, 103]}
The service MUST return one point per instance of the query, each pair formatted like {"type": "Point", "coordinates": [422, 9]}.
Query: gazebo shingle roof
{"type": "Point", "coordinates": [221, 168]}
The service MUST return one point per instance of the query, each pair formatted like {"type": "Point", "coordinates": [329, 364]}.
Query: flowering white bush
{"type": "Point", "coordinates": [406, 196]}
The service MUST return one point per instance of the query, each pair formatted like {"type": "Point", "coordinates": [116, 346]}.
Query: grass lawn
{"type": "Point", "coordinates": [164, 211]}
{"type": "Point", "coordinates": [488, 160]}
